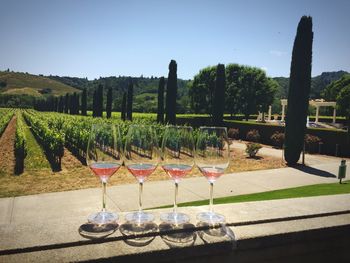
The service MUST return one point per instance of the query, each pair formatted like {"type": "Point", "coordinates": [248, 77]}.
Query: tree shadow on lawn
{"type": "Point", "coordinates": [313, 171]}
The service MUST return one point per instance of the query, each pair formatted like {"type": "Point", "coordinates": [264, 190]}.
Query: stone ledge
{"type": "Point", "coordinates": [316, 229]}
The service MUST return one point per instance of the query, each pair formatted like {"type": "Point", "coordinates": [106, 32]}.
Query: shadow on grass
{"type": "Point", "coordinates": [255, 157]}
{"type": "Point", "coordinates": [313, 171]}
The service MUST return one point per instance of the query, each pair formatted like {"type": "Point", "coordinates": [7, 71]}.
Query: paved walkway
{"type": "Point", "coordinates": [322, 169]}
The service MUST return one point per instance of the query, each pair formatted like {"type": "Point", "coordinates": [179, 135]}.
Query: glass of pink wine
{"type": "Point", "coordinates": [104, 157]}
{"type": "Point", "coordinates": [141, 159]}
{"type": "Point", "coordinates": [178, 161]}
{"type": "Point", "coordinates": [212, 158]}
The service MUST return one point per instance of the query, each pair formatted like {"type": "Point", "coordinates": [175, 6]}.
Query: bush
{"type": "Point", "coordinates": [252, 149]}
{"type": "Point", "coordinates": [311, 142]}
{"type": "Point", "coordinates": [233, 133]}
{"type": "Point", "coordinates": [253, 136]}
{"type": "Point", "coordinates": [277, 139]}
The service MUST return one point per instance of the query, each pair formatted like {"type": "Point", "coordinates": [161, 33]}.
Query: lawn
{"type": "Point", "coordinates": [302, 191]}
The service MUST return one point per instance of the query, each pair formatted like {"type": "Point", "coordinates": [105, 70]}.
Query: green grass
{"type": "Point", "coordinates": [35, 158]}
{"type": "Point", "coordinates": [296, 192]}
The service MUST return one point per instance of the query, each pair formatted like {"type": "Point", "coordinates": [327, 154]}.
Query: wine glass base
{"type": "Point", "coordinates": [211, 218]}
{"type": "Point", "coordinates": [102, 218]}
{"type": "Point", "coordinates": [139, 217]}
{"type": "Point", "coordinates": [174, 218]}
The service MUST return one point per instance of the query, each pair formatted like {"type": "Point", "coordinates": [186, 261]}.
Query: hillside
{"type": "Point", "coordinates": [318, 83]}
{"type": "Point", "coordinates": [145, 91]}
{"type": "Point", "coordinates": [16, 83]}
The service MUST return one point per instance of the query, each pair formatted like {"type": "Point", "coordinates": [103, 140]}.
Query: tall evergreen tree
{"type": "Point", "coordinates": [66, 103]}
{"type": "Point", "coordinates": [94, 103]}
{"type": "Point", "coordinates": [219, 95]}
{"type": "Point", "coordinates": [299, 91]}
{"type": "Point", "coordinates": [123, 112]}
{"type": "Point", "coordinates": [61, 104]}
{"type": "Point", "coordinates": [171, 93]}
{"type": "Point", "coordinates": [160, 111]}
{"type": "Point", "coordinates": [109, 103]}
{"type": "Point", "coordinates": [130, 99]}
{"type": "Point", "coordinates": [99, 105]}
{"type": "Point", "coordinates": [72, 99]}
{"type": "Point", "coordinates": [84, 103]}
{"type": "Point", "coordinates": [77, 104]}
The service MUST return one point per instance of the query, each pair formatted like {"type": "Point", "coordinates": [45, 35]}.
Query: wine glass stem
{"type": "Point", "coordinates": [211, 197]}
{"type": "Point", "coordinates": [175, 198]}
{"type": "Point", "coordinates": [104, 184]}
{"type": "Point", "coordinates": [140, 196]}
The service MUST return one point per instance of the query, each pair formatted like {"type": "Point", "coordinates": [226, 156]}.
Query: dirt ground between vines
{"type": "Point", "coordinates": [7, 157]}
{"type": "Point", "coordinates": [74, 175]}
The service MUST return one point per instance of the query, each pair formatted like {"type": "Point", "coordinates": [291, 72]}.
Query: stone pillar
{"type": "Point", "coordinates": [317, 109]}
{"type": "Point", "coordinates": [282, 119]}
{"type": "Point", "coordinates": [269, 116]}
{"type": "Point", "coordinates": [334, 114]}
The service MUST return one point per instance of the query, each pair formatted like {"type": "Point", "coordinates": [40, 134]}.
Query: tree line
{"type": "Point", "coordinates": [76, 103]}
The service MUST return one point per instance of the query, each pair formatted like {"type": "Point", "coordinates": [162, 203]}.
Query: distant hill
{"type": "Point", "coordinates": [318, 83]}
{"type": "Point", "coordinates": [16, 83]}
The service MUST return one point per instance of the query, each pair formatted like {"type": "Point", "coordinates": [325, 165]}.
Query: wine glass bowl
{"type": "Point", "coordinates": [212, 158]}
{"type": "Point", "coordinates": [141, 159]}
{"type": "Point", "coordinates": [177, 162]}
{"type": "Point", "coordinates": [104, 158]}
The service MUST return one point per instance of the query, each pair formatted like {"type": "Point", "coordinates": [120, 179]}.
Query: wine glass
{"type": "Point", "coordinates": [178, 161]}
{"type": "Point", "coordinates": [212, 158]}
{"type": "Point", "coordinates": [104, 159]}
{"type": "Point", "coordinates": [141, 159]}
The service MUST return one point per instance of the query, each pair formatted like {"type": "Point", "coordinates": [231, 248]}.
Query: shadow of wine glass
{"type": "Point", "coordinates": [216, 233]}
{"type": "Point", "coordinates": [94, 231]}
{"type": "Point", "coordinates": [138, 235]}
{"type": "Point", "coordinates": [175, 236]}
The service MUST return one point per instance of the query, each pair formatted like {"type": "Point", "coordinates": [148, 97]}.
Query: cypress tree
{"type": "Point", "coordinates": [84, 103]}
{"type": "Point", "coordinates": [171, 93]}
{"type": "Point", "coordinates": [77, 104]}
{"type": "Point", "coordinates": [160, 111]}
{"type": "Point", "coordinates": [66, 103]}
{"type": "Point", "coordinates": [219, 96]}
{"type": "Point", "coordinates": [94, 111]}
{"type": "Point", "coordinates": [72, 99]}
{"type": "Point", "coordinates": [99, 105]}
{"type": "Point", "coordinates": [129, 102]}
{"type": "Point", "coordinates": [109, 103]}
{"type": "Point", "coordinates": [60, 104]}
{"type": "Point", "coordinates": [299, 91]}
{"type": "Point", "coordinates": [123, 112]}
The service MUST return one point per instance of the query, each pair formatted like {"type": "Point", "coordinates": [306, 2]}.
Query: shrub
{"type": "Point", "coordinates": [253, 136]}
{"type": "Point", "coordinates": [233, 133]}
{"type": "Point", "coordinates": [277, 139]}
{"type": "Point", "coordinates": [311, 141]}
{"type": "Point", "coordinates": [252, 149]}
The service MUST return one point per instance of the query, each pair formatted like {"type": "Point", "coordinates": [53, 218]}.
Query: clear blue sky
{"type": "Point", "coordinates": [108, 38]}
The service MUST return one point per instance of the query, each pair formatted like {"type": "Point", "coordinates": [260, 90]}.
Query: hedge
{"type": "Point", "coordinates": [329, 137]}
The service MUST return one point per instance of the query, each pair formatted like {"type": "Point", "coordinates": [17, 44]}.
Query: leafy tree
{"type": "Point", "coordinates": [84, 103]}
{"type": "Point", "coordinates": [123, 111]}
{"type": "Point", "coordinates": [160, 111]}
{"type": "Point", "coordinates": [233, 77]}
{"type": "Point", "coordinates": [109, 103]}
{"type": "Point", "coordinates": [171, 93]}
{"type": "Point", "coordinates": [299, 91]}
{"type": "Point", "coordinates": [343, 102]}
{"type": "Point", "coordinates": [130, 100]}
{"type": "Point", "coordinates": [202, 89]}
{"type": "Point", "coordinates": [219, 96]}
